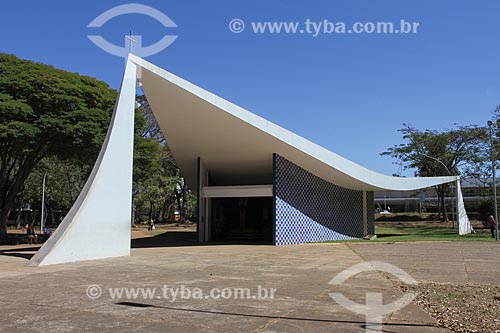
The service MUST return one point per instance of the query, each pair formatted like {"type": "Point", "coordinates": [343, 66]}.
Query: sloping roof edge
{"type": "Point", "coordinates": [357, 176]}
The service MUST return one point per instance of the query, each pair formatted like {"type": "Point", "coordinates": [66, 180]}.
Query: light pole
{"type": "Point", "coordinates": [43, 203]}
{"type": "Point", "coordinates": [493, 171]}
{"type": "Point", "coordinates": [452, 200]}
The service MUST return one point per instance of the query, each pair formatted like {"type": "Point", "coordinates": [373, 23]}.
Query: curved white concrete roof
{"type": "Point", "coordinates": [237, 145]}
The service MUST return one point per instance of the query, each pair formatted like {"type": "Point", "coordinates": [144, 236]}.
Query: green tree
{"type": "Point", "coordinates": [152, 182]}
{"type": "Point", "coordinates": [65, 180]}
{"type": "Point", "coordinates": [433, 153]}
{"type": "Point", "coordinates": [148, 127]}
{"type": "Point", "coordinates": [46, 112]}
{"type": "Point", "coordinates": [158, 184]}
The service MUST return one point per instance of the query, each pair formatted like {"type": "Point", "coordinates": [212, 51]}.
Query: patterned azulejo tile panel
{"type": "Point", "coordinates": [310, 209]}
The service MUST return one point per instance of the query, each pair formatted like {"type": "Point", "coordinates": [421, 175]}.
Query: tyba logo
{"type": "Point", "coordinates": [139, 50]}
{"type": "Point", "coordinates": [374, 309]}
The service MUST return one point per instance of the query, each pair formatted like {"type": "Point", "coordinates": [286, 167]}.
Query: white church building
{"type": "Point", "coordinates": [252, 177]}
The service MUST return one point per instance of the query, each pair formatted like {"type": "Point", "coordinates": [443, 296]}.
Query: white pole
{"type": "Point", "coordinates": [457, 212]}
{"type": "Point", "coordinates": [453, 206]}
{"type": "Point", "coordinates": [43, 203]}
{"type": "Point", "coordinates": [493, 169]}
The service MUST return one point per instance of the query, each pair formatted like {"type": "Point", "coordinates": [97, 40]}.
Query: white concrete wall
{"type": "Point", "coordinates": [98, 224]}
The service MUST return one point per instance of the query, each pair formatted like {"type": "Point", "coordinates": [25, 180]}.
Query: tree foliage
{"type": "Point", "coordinates": [434, 153]}
{"type": "Point", "coordinates": [46, 112]}
{"type": "Point", "coordinates": [148, 126]}
{"type": "Point", "coordinates": [65, 179]}
{"type": "Point", "coordinates": [158, 185]}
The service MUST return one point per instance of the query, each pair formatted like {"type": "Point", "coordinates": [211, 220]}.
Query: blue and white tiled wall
{"type": "Point", "coordinates": [310, 209]}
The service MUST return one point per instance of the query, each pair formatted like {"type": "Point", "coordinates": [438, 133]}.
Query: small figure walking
{"type": "Point", "coordinates": [32, 236]}
{"type": "Point", "coordinates": [492, 224]}
{"type": "Point", "coordinates": [46, 232]}
{"type": "Point", "coordinates": [151, 225]}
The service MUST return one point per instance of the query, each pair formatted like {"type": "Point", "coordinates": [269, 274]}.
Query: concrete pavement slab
{"type": "Point", "coordinates": [56, 298]}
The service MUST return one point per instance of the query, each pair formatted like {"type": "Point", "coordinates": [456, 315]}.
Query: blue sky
{"type": "Point", "coordinates": [349, 93]}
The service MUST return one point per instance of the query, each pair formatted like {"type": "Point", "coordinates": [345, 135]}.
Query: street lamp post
{"type": "Point", "coordinates": [452, 201]}
{"type": "Point", "coordinates": [42, 211]}
{"type": "Point", "coordinates": [493, 172]}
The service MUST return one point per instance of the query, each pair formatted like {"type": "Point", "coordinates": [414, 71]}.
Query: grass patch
{"type": "Point", "coordinates": [400, 217]}
{"type": "Point", "coordinates": [412, 233]}
{"type": "Point", "coordinates": [421, 232]}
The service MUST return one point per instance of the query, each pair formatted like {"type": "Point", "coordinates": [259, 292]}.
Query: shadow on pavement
{"type": "Point", "coordinates": [362, 324]}
{"type": "Point", "coordinates": [20, 252]}
{"type": "Point", "coordinates": [184, 238]}
{"type": "Point", "coordinates": [390, 235]}
{"type": "Point", "coordinates": [166, 239]}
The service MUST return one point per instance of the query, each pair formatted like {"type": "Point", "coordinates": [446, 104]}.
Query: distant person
{"type": "Point", "coordinates": [492, 223]}
{"type": "Point", "coordinates": [32, 237]}
{"type": "Point", "coordinates": [151, 225]}
{"type": "Point", "coordinates": [47, 232]}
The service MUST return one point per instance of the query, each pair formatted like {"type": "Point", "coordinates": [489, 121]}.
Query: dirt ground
{"type": "Point", "coordinates": [141, 230]}
{"type": "Point", "coordinates": [461, 308]}
{"type": "Point", "coordinates": [458, 282]}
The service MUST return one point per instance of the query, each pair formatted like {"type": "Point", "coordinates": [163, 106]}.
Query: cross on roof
{"type": "Point", "coordinates": [131, 40]}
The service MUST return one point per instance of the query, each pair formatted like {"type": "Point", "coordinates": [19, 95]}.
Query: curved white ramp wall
{"type": "Point", "coordinates": [464, 225]}
{"type": "Point", "coordinates": [98, 224]}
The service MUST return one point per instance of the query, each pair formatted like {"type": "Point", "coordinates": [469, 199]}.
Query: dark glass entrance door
{"type": "Point", "coordinates": [241, 219]}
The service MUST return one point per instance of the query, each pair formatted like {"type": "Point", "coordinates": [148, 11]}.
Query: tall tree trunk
{"type": "Point", "coordinates": [164, 210]}
{"type": "Point", "coordinates": [52, 218]}
{"type": "Point", "coordinates": [11, 189]}
{"type": "Point", "coordinates": [179, 207]}
{"type": "Point", "coordinates": [133, 213]}
{"type": "Point", "coordinates": [438, 202]}
{"type": "Point", "coordinates": [150, 210]}
{"type": "Point", "coordinates": [441, 191]}
{"type": "Point", "coordinates": [183, 209]}
{"type": "Point", "coordinates": [4, 215]}
{"type": "Point", "coordinates": [18, 218]}
{"type": "Point", "coordinates": [443, 206]}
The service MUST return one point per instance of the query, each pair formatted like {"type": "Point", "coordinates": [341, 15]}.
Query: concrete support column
{"type": "Point", "coordinates": [202, 225]}
{"type": "Point", "coordinates": [365, 213]}
{"type": "Point", "coordinates": [274, 198]}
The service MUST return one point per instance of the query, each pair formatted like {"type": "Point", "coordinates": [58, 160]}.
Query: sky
{"type": "Point", "coordinates": [349, 93]}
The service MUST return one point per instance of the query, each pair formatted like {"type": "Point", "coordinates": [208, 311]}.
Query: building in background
{"type": "Point", "coordinates": [426, 200]}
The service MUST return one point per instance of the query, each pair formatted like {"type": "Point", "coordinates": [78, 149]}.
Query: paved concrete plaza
{"type": "Point", "coordinates": [54, 298]}
{"type": "Point", "coordinates": [445, 262]}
